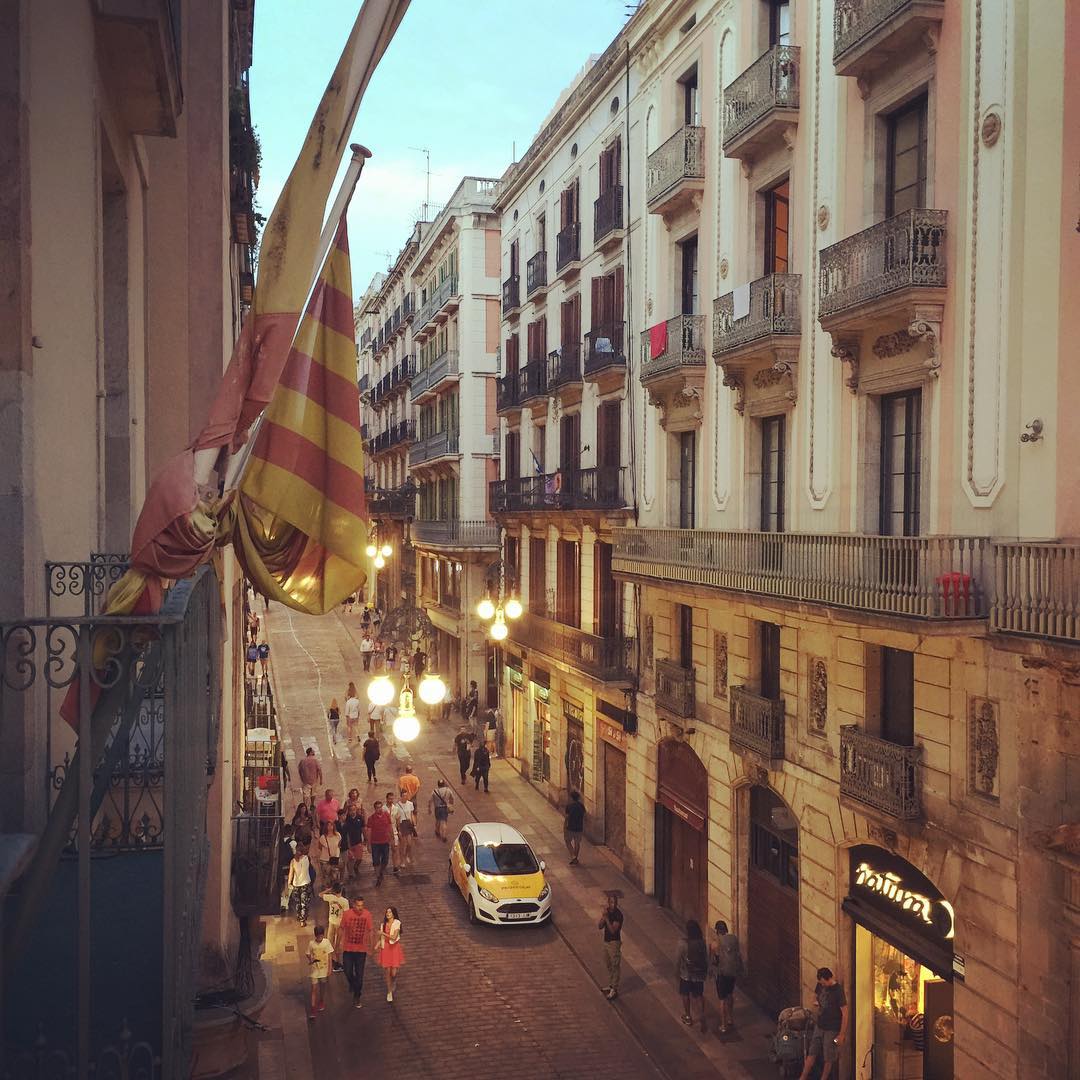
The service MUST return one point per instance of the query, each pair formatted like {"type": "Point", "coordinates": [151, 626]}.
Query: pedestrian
{"type": "Point", "coordinates": [353, 798]}
{"type": "Point", "coordinates": [500, 732]}
{"type": "Point", "coordinates": [352, 713]}
{"type": "Point", "coordinates": [419, 662]}
{"type": "Point", "coordinates": [365, 619]}
{"type": "Point", "coordinates": [333, 714]}
{"type": "Point", "coordinates": [302, 822]}
{"type": "Point", "coordinates": [251, 655]}
{"type": "Point", "coordinates": [349, 602]}
{"type": "Point", "coordinates": [409, 783]}
{"type": "Point", "coordinates": [310, 775]}
{"type": "Point", "coordinates": [376, 618]}
{"type": "Point", "coordinates": [390, 656]}
{"type": "Point", "coordinates": [376, 715]}
{"type": "Point", "coordinates": [367, 647]}
{"type": "Point", "coordinates": [286, 851]}
{"type": "Point", "coordinates": [329, 849]}
{"type": "Point", "coordinates": [830, 1028]}
{"type": "Point", "coordinates": [464, 751]}
{"type": "Point", "coordinates": [299, 883]}
{"type": "Point", "coordinates": [574, 826]}
{"type": "Point", "coordinates": [286, 776]}
{"type": "Point", "coordinates": [403, 814]}
{"type": "Point", "coordinates": [391, 955]}
{"type": "Point", "coordinates": [264, 655]}
{"type": "Point", "coordinates": [471, 707]}
{"type": "Point", "coordinates": [318, 956]}
{"type": "Point", "coordinates": [441, 804]}
{"type": "Point", "coordinates": [371, 754]}
{"type": "Point", "coordinates": [380, 832]}
{"type": "Point", "coordinates": [692, 965]}
{"type": "Point", "coordinates": [395, 836]}
{"type": "Point", "coordinates": [728, 965]}
{"type": "Point", "coordinates": [326, 810]}
{"type": "Point", "coordinates": [611, 922]}
{"type": "Point", "coordinates": [356, 932]}
{"type": "Point", "coordinates": [353, 839]}
{"type": "Point", "coordinates": [337, 905]}
{"type": "Point", "coordinates": [377, 655]}
{"type": "Point", "coordinates": [481, 766]}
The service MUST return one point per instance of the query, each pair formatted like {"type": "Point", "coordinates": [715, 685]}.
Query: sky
{"type": "Point", "coordinates": [467, 80]}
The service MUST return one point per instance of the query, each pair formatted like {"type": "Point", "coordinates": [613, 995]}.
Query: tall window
{"type": "Point", "coordinates": [772, 474]}
{"type": "Point", "coordinates": [607, 305]}
{"type": "Point", "coordinates": [905, 184]}
{"type": "Point", "coordinates": [541, 233]}
{"type": "Point", "coordinates": [539, 448]}
{"type": "Point", "coordinates": [684, 625]}
{"type": "Point", "coordinates": [690, 98]}
{"type": "Point", "coordinates": [570, 205]}
{"type": "Point", "coordinates": [514, 258]}
{"type": "Point", "coordinates": [769, 658]}
{"type": "Point", "coordinates": [537, 340]}
{"type": "Point", "coordinates": [608, 613]}
{"type": "Point", "coordinates": [570, 324]}
{"type": "Point", "coordinates": [538, 575]}
{"type": "Point", "coordinates": [780, 22]}
{"type": "Point", "coordinates": [687, 478]}
{"type": "Point", "coordinates": [610, 166]}
{"type": "Point", "coordinates": [569, 443]}
{"type": "Point", "coordinates": [898, 696]}
{"type": "Point", "coordinates": [689, 298]}
{"type": "Point", "coordinates": [512, 456]}
{"type": "Point", "coordinates": [568, 582]}
{"type": "Point", "coordinates": [901, 419]}
{"type": "Point", "coordinates": [777, 216]}
{"type": "Point", "coordinates": [513, 353]}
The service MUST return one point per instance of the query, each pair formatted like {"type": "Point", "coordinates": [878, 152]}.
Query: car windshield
{"type": "Point", "coordinates": [505, 859]}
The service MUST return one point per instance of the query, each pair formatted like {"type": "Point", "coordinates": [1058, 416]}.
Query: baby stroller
{"type": "Point", "coordinates": [791, 1041]}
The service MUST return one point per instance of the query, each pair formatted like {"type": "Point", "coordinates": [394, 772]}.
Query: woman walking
{"type": "Point", "coordinates": [692, 965]}
{"type": "Point", "coordinates": [302, 824]}
{"type": "Point", "coordinates": [391, 955]}
{"type": "Point", "coordinates": [728, 965]}
{"type": "Point", "coordinates": [333, 714]}
{"type": "Point", "coordinates": [329, 848]}
{"type": "Point", "coordinates": [354, 840]}
{"type": "Point", "coordinates": [299, 883]}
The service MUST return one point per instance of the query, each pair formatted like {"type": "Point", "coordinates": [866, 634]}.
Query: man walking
{"type": "Point", "coordinates": [611, 922]}
{"type": "Point", "coordinates": [336, 908]}
{"type": "Point", "coordinates": [830, 1031]}
{"type": "Point", "coordinates": [441, 805]}
{"type": "Point", "coordinates": [367, 647]}
{"type": "Point", "coordinates": [310, 775]}
{"type": "Point", "coordinates": [463, 750]}
{"type": "Point", "coordinates": [470, 709]}
{"type": "Point", "coordinates": [355, 936]}
{"type": "Point", "coordinates": [481, 766]}
{"type": "Point", "coordinates": [574, 827]}
{"type": "Point", "coordinates": [318, 957]}
{"type": "Point", "coordinates": [371, 757]}
{"type": "Point", "coordinates": [380, 831]}
{"type": "Point", "coordinates": [409, 783]}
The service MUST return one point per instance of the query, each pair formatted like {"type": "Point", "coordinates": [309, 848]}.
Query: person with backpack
{"type": "Point", "coordinates": [728, 967]}
{"type": "Point", "coordinates": [692, 966]}
{"type": "Point", "coordinates": [481, 766]}
{"type": "Point", "coordinates": [441, 804]}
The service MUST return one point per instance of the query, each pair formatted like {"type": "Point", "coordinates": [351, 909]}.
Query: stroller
{"type": "Point", "coordinates": [791, 1041]}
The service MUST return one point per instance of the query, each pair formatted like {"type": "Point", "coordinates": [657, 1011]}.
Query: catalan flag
{"type": "Point", "coordinates": [300, 531]}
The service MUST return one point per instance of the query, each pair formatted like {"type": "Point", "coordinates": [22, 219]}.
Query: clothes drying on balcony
{"type": "Point", "coordinates": [740, 300]}
{"type": "Point", "coordinates": [657, 340]}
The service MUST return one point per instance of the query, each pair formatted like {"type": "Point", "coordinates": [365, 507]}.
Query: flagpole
{"type": "Point", "coordinates": [360, 154]}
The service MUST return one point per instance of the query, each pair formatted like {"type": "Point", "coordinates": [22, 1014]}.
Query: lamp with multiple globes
{"type": "Point", "coordinates": [432, 689]}
{"type": "Point", "coordinates": [499, 629]}
{"type": "Point", "coordinates": [513, 608]}
{"type": "Point", "coordinates": [379, 562]}
{"type": "Point", "coordinates": [386, 551]}
{"type": "Point", "coordinates": [371, 551]}
{"type": "Point", "coordinates": [486, 609]}
{"type": "Point", "coordinates": [380, 690]}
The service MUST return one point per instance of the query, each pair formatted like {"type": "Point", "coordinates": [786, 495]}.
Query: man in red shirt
{"type": "Point", "coordinates": [354, 939]}
{"type": "Point", "coordinates": [327, 808]}
{"type": "Point", "coordinates": [380, 831]}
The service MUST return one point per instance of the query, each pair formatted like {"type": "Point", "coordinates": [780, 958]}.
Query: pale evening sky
{"type": "Point", "coordinates": [466, 80]}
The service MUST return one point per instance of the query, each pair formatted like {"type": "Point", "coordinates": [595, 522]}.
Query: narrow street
{"type": "Point", "coordinates": [471, 1001]}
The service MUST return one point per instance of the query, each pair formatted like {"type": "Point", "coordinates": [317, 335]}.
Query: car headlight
{"type": "Point", "coordinates": [488, 896]}
{"type": "Point", "coordinates": [545, 892]}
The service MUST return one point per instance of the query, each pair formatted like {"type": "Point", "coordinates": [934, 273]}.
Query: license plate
{"type": "Point", "coordinates": [519, 915]}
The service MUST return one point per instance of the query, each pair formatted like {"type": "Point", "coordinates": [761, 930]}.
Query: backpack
{"type": "Point", "coordinates": [728, 957]}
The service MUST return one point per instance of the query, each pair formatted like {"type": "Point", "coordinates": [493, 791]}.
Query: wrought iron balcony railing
{"type": "Point", "coordinates": [532, 380]}
{"type": "Point", "coordinates": [536, 273]}
{"type": "Point", "coordinates": [397, 434]}
{"type": "Point", "coordinates": [427, 379]}
{"type": "Point", "coordinates": [441, 444]}
{"type": "Point", "coordinates": [770, 82]}
{"type": "Point", "coordinates": [599, 488]}
{"type": "Point", "coordinates": [608, 214]}
{"type": "Point", "coordinates": [880, 774]}
{"type": "Point", "coordinates": [442, 295]}
{"type": "Point", "coordinates": [606, 659]}
{"type": "Point", "coordinates": [74, 586]}
{"type": "Point", "coordinates": [926, 577]}
{"type": "Point", "coordinates": [1037, 589]}
{"type": "Point", "coordinates": [675, 688]}
{"type": "Point", "coordinates": [774, 309]}
{"type": "Point", "coordinates": [682, 346]}
{"type": "Point", "coordinates": [757, 723]}
{"type": "Point", "coordinates": [408, 307]}
{"type": "Point", "coordinates": [682, 157]}
{"type": "Point", "coordinates": [564, 366]}
{"type": "Point", "coordinates": [605, 347]}
{"type": "Point", "coordinates": [906, 251]}
{"type": "Point", "coordinates": [858, 24]}
{"type": "Point", "coordinates": [363, 383]}
{"type": "Point", "coordinates": [506, 392]}
{"type": "Point", "coordinates": [568, 246]}
{"type": "Point", "coordinates": [511, 298]}
{"type": "Point", "coordinates": [392, 504]}
{"type": "Point", "coordinates": [457, 534]}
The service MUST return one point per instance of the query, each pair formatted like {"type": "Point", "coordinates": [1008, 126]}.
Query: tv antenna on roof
{"type": "Point", "coordinates": [427, 175]}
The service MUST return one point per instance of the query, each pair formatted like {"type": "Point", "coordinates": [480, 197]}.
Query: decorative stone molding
{"type": "Point", "coordinates": [819, 695]}
{"type": "Point", "coordinates": [900, 341]}
{"type": "Point", "coordinates": [927, 326]}
{"type": "Point", "coordinates": [991, 129]}
{"type": "Point", "coordinates": [647, 646]}
{"type": "Point", "coordinates": [757, 774]}
{"type": "Point", "coordinates": [846, 350]}
{"type": "Point", "coordinates": [720, 664]}
{"type": "Point", "coordinates": [733, 382]}
{"type": "Point", "coordinates": [725, 266]}
{"type": "Point", "coordinates": [823, 217]}
{"type": "Point", "coordinates": [984, 748]}
{"type": "Point", "coordinates": [883, 837]}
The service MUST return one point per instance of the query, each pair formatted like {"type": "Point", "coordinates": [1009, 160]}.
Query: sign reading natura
{"type": "Point", "coordinates": [897, 886]}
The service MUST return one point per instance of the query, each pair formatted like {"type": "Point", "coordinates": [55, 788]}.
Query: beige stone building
{"type": "Point", "coordinates": [126, 229]}
{"type": "Point", "coordinates": [850, 251]}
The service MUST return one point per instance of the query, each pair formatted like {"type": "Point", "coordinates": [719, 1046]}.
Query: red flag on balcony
{"type": "Point", "coordinates": [657, 340]}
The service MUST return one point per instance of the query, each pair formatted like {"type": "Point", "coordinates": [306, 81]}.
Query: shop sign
{"type": "Point", "coordinates": [893, 885]}
{"type": "Point", "coordinates": [611, 733]}
{"type": "Point", "coordinates": [542, 693]}
{"type": "Point", "coordinates": [516, 678]}
{"type": "Point", "coordinates": [573, 712]}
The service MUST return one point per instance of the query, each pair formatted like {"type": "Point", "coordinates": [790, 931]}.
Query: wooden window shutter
{"type": "Point", "coordinates": [617, 295]}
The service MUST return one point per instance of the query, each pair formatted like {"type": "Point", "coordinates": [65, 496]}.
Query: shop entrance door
{"type": "Point", "coordinates": [682, 811]}
{"type": "Point", "coordinates": [575, 756]}
{"type": "Point", "coordinates": [614, 798]}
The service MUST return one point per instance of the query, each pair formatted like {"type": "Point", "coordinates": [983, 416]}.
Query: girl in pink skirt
{"type": "Point", "coordinates": [390, 954]}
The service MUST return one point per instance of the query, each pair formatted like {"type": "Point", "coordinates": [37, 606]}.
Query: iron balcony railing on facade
{"type": "Point", "coordinates": [608, 213]}
{"type": "Point", "coordinates": [605, 347]}
{"type": "Point", "coordinates": [682, 157]}
{"type": "Point", "coordinates": [857, 21]}
{"type": "Point", "coordinates": [511, 294]}
{"type": "Point", "coordinates": [1037, 589]}
{"type": "Point", "coordinates": [365, 338]}
{"type": "Point", "coordinates": [408, 307]}
{"type": "Point", "coordinates": [770, 82]}
{"type": "Point", "coordinates": [674, 688]}
{"type": "Point", "coordinates": [536, 273]}
{"type": "Point", "coordinates": [567, 246]}
{"type": "Point", "coordinates": [532, 380]}
{"type": "Point", "coordinates": [442, 367]}
{"type": "Point", "coordinates": [906, 251]}
{"type": "Point", "coordinates": [506, 391]}
{"type": "Point", "coordinates": [441, 444]}
{"type": "Point", "coordinates": [599, 488]}
{"type": "Point", "coordinates": [363, 383]}
{"type": "Point", "coordinates": [564, 366]}
{"type": "Point", "coordinates": [442, 295]}
{"type": "Point", "coordinates": [464, 534]}
{"type": "Point", "coordinates": [774, 309]}
{"type": "Point", "coordinates": [682, 345]}
{"type": "Point", "coordinates": [392, 504]}
{"type": "Point", "coordinates": [401, 432]}
{"type": "Point", "coordinates": [757, 723]}
{"type": "Point", "coordinates": [926, 577]}
{"type": "Point", "coordinates": [880, 774]}
{"type": "Point", "coordinates": [72, 588]}
{"type": "Point", "coordinates": [606, 659]}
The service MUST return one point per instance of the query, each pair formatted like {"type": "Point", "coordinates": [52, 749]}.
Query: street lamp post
{"type": "Point", "coordinates": [500, 601]}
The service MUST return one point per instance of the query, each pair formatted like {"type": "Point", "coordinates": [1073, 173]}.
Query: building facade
{"type": "Point", "coordinates": [847, 300]}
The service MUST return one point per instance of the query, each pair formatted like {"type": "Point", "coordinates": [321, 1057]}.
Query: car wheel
{"type": "Point", "coordinates": [472, 912]}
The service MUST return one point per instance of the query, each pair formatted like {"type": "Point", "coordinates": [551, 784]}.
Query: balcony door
{"type": "Point", "coordinates": [777, 228]}
{"type": "Point", "coordinates": [779, 22]}
{"type": "Point", "coordinates": [901, 448]}
{"type": "Point", "coordinates": [684, 625]}
{"type": "Point", "coordinates": [687, 478]}
{"type": "Point", "coordinates": [906, 154]}
{"type": "Point", "coordinates": [515, 256]}
{"type": "Point", "coordinates": [570, 328]}
{"type": "Point", "coordinates": [607, 308]}
{"type": "Point", "coordinates": [608, 620]}
{"type": "Point", "coordinates": [689, 300]}
{"type": "Point", "coordinates": [898, 696]}
{"type": "Point", "coordinates": [568, 583]}
{"type": "Point", "coordinates": [538, 575]}
{"type": "Point", "coordinates": [691, 99]}
{"type": "Point", "coordinates": [769, 660]}
{"type": "Point", "coordinates": [610, 166]}
{"type": "Point", "coordinates": [570, 205]}
{"type": "Point", "coordinates": [608, 451]}
{"type": "Point", "coordinates": [569, 444]}
{"type": "Point", "coordinates": [772, 473]}
{"type": "Point", "coordinates": [513, 354]}
{"type": "Point", "coordinates": [512, 456]}
{"type": "Point", "coordinates": [541, 233]}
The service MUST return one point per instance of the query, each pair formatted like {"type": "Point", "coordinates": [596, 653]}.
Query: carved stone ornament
{"type": "Point", "coordinates": [894, 344]}
{"type": "Point", "coordinates": [847, 352]}
{"type": "Point", "coordinates": [758, 775]}
{"type": "Point", "coordinates": [648, 642]}
{"type": "Point", "coordinates": [725, 266]}
{"type": "Point", "coordinates": [883, 837]}
{"type": "Point", "coordinates": [720, 664]}
{"type": "Point", "coordinates": [819, 695]}
{"type": "Point", "coordinates": [733, 382]}
{"type": "Point", "coordinates": [923, 328]}
{"type": "Point", "coordinates": [984, 748]}
{"type": "Point", "coordinates": [990, 131]}
{"type": "Point", "coordinates": [688, 397]}
{"type": "Point", "coordinates": [823, 217]}
{"type": "Point", "coordinates": [767, 377]}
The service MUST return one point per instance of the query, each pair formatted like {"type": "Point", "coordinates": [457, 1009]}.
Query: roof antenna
{"type": "Point", "coordinates": [427, 186]}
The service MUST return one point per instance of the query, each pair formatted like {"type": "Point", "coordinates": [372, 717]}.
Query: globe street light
{"type": "Point", "coordinates": [486, 609]}
{"type": "Point", "coordinates": [386, 551]}
{"type": "Point", "coordinates": [513, 608]}
{"type": "Point", "coordinates": [380, 690]}
{"type": "Point", "coordinates": [432, 689]}
{"type": "Point", "coordinates": [371, 551]}
{"type": "Point", "coordinates": [379, 562]}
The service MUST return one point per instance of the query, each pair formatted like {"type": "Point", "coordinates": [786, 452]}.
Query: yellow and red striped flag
{"type": "Point", "coordinates": [300, 523]}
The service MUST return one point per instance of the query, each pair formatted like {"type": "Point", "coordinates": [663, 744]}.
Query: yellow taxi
{"type": "Point", "coordinates": [501, 879]}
